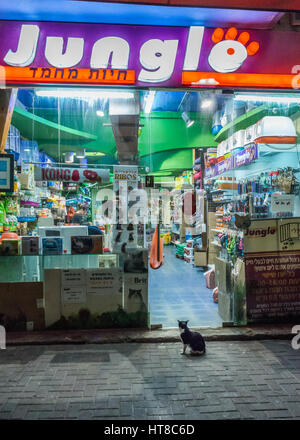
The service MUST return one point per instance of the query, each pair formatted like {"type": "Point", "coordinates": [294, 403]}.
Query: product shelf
{"type": "Point", "coordinates": [223, 201]}
{"type": "Point", "coordinates": [26, 219]}
{"type": "Point", "coordinates": [242, 122]}
{"type": "Point", "coordinates": [229, 231]}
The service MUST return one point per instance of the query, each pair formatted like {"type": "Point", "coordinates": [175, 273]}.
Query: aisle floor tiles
{"type": "Point", "coordinates": [178, 291]}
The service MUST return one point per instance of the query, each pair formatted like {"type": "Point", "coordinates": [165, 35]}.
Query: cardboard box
{"type": "Point", "coordinates": [188, 258]}
{"type": "Point", "coordinates": [22, 306]}
{"type": "Point", "coordinates": [52, 246]}
{"type": "Point", "coordinates": [11, 247]}
{"type": "Point", "coordinates": [91, 244]}
{"type": "Point", "coordinates": [30, 245]}
{"type": "Point", "coordinates": [200, 258]}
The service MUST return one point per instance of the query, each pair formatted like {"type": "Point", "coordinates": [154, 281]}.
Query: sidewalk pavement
{"type": "Point", "coordinates": [109, 336]}
{"type": "Point", "coordinates": [132, 381]}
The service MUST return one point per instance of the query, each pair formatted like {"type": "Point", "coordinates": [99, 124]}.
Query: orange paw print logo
{"type": "Point", "coordinates": [230, 53]}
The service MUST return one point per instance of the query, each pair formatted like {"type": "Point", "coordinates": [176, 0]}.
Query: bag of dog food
{"type": "Point", "coordinates": [210, 279]}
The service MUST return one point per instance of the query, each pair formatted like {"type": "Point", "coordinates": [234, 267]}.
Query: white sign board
{"type": "Point", "coordinates": [73, 277]}
{"type": "Point", "coordinates": [129, 173]}
{"type": "Point", "coordinates": [104, 281]}
{"type": "Point", "coordinates": [73, 286]}
{"type": "Point", "coordinates": [73, 294]}
{"type": "Point", "coordinates": [282, 203]}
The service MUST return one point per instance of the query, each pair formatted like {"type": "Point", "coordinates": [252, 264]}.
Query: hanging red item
{"type": "Point", "coordinates": [156, 251]}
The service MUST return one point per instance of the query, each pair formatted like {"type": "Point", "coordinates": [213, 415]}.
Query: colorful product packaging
{"type": "Point", "coordinates": [91, 244]}
{"type": "Point", "coordinates": [52, 246]}
{"type": "Point", "coordinates": [30, 245]}
{"type": "Point", "coordinates": [11, 247]}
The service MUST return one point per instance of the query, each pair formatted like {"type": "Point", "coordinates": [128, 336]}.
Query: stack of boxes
{"type": "Point", "coordinates": [189, 251]}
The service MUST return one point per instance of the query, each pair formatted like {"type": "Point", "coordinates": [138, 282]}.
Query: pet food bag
{"type": "Point", "coordinates": [215, 295]}
{"type": "Point", "coordinates": [210, 279]}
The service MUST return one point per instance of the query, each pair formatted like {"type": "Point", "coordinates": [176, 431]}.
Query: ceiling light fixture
{"type": "Point", "coordinates": [188, 121]}
{"type": "Point", "coordinates": [149, 101]}
{"type": "Point", "coordinates": [267, 98]}
{"type": "Point", "coordinates": [85, 94]}
{"type": "Point", "coordinates": [206, 103]}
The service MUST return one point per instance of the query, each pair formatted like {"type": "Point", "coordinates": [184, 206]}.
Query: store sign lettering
{"type": "Point", "coordinates": [129, 173]}
{"type": "Point", "coordinates": [56, 174]}
{"type": "Point", "coordinates": [162, 55]}
{"type": "Point", "coordinates": [71, 174]}
{"type": "Point", "coordinates": [125, 176]}
{"type": "Point", "coordinates": [225, 165]}
{"type": "Point", "coordinates": [249, 154]}
{"type": "Point", "coordinates": [156, 56]}
{"type": "Point", "coordinates": [68, 75]}
{"type": "Point", "coordinates": [260, 232]}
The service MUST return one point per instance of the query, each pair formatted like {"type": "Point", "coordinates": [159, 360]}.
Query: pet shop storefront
{"type": "Point", "coordinates": [91, 107]}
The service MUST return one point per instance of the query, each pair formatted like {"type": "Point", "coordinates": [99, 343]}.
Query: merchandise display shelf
{"type": "Point", "coordinates": [223, 190]}
{"type": "Point", "coordinates": [242, 122]}
{"type": "Point", "coordinates": [230, 231]}
{"type": "Point", "coordinates": [223, 201]}
{"type": "Point", "coordinates": [26, 219]}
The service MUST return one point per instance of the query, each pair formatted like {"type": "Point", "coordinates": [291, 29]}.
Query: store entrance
{"type": "Point", "coordinates": [214, 170]}
{"type": "Point", "coordinates": [178, 291]}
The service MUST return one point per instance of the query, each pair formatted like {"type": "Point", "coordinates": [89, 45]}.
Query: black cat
{"type": "Point", "coordinates": [192, 339]}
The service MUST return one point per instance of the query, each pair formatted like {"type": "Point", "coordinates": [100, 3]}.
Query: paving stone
{"type": "Point", "coordinates": [247, 380]}
{"type": "Point", "coordinates": [278, 414]}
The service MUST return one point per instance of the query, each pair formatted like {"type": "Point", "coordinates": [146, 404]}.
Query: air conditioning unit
{"type": "Point", "coordinates": [295, 18]}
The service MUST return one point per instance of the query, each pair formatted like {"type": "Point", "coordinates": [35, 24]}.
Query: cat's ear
{"type": "Point", "coordinates": [186, 321]}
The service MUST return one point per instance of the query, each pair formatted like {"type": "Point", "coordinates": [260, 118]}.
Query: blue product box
{"type": "Point", "coordinates": [52, 246]}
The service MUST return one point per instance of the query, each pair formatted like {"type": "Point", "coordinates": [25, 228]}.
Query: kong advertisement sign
{"type": "Point", "coordinates": [74, 175]}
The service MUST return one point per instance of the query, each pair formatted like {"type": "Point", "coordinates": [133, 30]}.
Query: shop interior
{"type": "Point", "coordinates": [235, 153]}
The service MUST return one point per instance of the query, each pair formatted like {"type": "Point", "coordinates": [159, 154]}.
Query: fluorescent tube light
{"type": "Point", "coordinates": [268, 98]}
{"type": "Point", "coordinates": [84, 94]}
